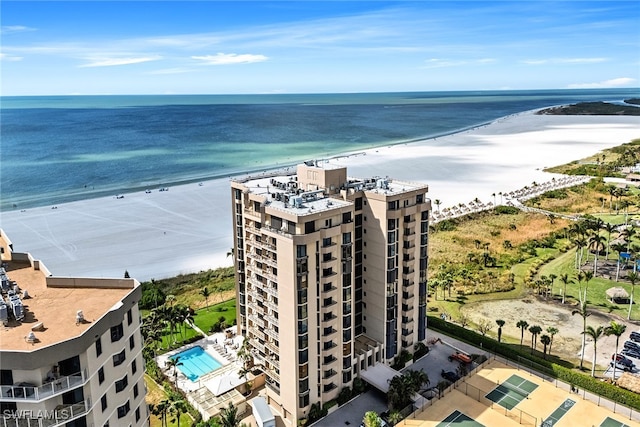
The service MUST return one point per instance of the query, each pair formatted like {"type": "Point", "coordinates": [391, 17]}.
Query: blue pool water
{"type": "Point", "coordinates": [196, 362]}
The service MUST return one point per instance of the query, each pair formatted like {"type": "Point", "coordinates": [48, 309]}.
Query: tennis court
{"type": "Point", "coordinates": [558, 413]}
{"type": "Point", "coordinates": [610, 422]}
{"type": "Point", "coordinates": [511, 392]}
{"type": "Point", "coordinates": [458, 419]}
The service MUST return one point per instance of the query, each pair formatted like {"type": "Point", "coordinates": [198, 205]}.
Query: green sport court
{"type": "Point", "coordinates": [511, 392]}
{"type": "Point", "coordinates": [458, 419]}
{"type": "Point", "coordinates": [558, 413]}
{"type": "Point", "coordinates": [610, 422]}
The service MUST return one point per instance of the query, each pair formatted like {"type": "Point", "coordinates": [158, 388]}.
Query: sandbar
{"type": "Point", "coordinates": [188, 228]}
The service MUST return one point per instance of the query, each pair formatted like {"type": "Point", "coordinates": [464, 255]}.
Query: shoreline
{"type": "Point", "coordinates": [188, 228]}
{"type": "Point", "coordinates": [107, 192]}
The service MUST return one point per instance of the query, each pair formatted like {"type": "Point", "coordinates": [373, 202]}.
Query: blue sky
{"type": "Point", "coordinates": [217, 47]}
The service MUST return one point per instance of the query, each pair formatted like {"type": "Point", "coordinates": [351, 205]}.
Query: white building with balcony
{"type": "Point", "coordinates": [70, 350]}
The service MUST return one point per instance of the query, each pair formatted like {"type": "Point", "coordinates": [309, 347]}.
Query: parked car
{"type": "Point", "coordinates": [622, 362]}
{"type": "Point", "coordinates": [631, 353]}
{"type": "Point", "coordinates": [450, 376]}
{"type": "Point", "coordinates": [631, 344]}
{"type": "Point", "coordinates": [635, 336]}
{"type": "Point", "coordinates": [460, 357]}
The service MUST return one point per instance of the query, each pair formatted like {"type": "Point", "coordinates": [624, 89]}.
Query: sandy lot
{"type": "Point", "coordinates": [567, 342]}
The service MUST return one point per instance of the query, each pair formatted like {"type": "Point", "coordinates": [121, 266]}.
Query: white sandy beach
{"type": "Point", "coordinates": [188, 228]}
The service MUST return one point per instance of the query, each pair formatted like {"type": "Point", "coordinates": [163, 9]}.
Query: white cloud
{"type": "Point", "coordinates": [10, 58]}
{"type": "Point", "coordinates": [230, 58]}
{"type": "Point", "coordinates": [618, 82]}
{"type": "Point", "coordinates": [10, 29]}
{"type": "Point", "coordinates": [564, 61]}
{"type": "Point", "coordinates": [176, 70]}
{"type": "Point", "coordinates": [111, 62]}
{"type": "Point", "coordinates": [441, 63]}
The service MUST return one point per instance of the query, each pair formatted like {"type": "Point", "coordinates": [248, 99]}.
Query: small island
{"type": "Point", "coordinates": [594, 109]}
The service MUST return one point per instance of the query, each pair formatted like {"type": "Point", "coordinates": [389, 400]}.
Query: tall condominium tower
{"type": "Point", "coordinates": [331, 276]}
{"type": "Point", "coordinates": [70, 348]}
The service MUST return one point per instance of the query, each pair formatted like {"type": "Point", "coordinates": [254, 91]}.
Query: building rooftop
{"type": "Point", "coordinates": [52, 303]}
{"type": "Point", "coordinates": [282, 192]}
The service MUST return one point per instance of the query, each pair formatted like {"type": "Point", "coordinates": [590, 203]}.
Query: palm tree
{"type": "Point", "coordinates": [551, 331]}
{"type": "Point", "coordinates": [437, 202]}
{"type": "Point", "coordinates": [616, 329]}
{"type": "Point", "coordinates": [546, 340]}
{"type": "Point", "coordinates": [582, 311]}
{"type": "Point", "coordinates": [523, 325]}
{"type": "Point", "coordinates": [580, 243]}
{"type": "Point", "coordinates": [371, 419]}
{"type": "Point", "coordinates": [229, 416]}
{"type": "Point", "coordinates": [500, 323]}
{"type": "Point", "coordinates": [628, 234]}
{"type": "Point", "coordinates": [633, 277]}
{"type": "Point", "coordinates": [535, 330]}
{"type": "Point", "coordinates": [161, 410]}
{"type": "Point", "coordinates": [174, 362]}
{"type": "Point", "coordinates": [618, 247]}
{"type": "Point", "coordinates": [205, 293]}
{"type": "Point", "coordinates": [552, 278]}
{"type": "Point", "coordinates": [594, 334]}
{"type": "Point", "coordinates": [178, 406]}
{"type": "Point", "coordinates": [596, 242]}
{"type": "Point", "coordinates": [565, 279]}
{"type": "Point", "coordinates": [609, 228]}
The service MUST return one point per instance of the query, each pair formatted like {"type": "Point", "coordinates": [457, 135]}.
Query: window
{"type": "Point", "coordinates": [135, 390]}
{"type": "Point", "coordinates": [137, 414]}
{"type": "Point", "coordinates": [301, 251]}
{"type": "Point", "coordinates": [122, 384]}
{"type": "Point", "coordinates": [134, 367]}
{"type": "Point", "coordinates": [98, 347]}
{"type": "Point", "coordinates": [129, 317]}
{"type": "Point", "coordinates": [123, 410]}
{"type": "Point", "coordinates": [101, 375]}
{"type": "Point", "coordinates": [346, 238]}
{"type": "Point", "coordinates": [327, 222]}
{"type": "Point", "coordinates": [132, 342]}
{"type": "Point", "coordinates": [103, 402]}
{"type": "Point", "coordinates": [326, 242]}
{"type": "Point", "coordinates": [119, 358]}
{"type": "Point", "coordinates": [117, 332]}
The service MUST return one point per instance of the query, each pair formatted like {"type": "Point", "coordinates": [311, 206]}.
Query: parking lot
{"type": "Point", "coordinates": [629, 357]}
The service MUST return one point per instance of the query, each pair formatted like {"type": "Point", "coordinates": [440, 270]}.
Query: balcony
{"type": "Point", "coordinates": [329, 331]}
{"type": "Point", "coordinates": [32, 393]}
{"type": "Point", "coordinates": [271, 319]}
{"type": "Point", "coordinates": [328, 374]}
{"type": "Point", "coordinates": [271, 333]}
{"type": "Point", "coordinates": [408, 295]}
{"type": "Point", "coordinates": [406, 308]}
{"type": "Point", "coordinates": [328, 287]}
{"type": "Point", "coordinates": [273, 291]}
{"type": "Point", "coordinates": [59, 416]}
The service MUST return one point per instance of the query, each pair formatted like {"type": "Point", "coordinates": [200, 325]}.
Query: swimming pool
{"type": "Point", "coordinates": [196, 362]}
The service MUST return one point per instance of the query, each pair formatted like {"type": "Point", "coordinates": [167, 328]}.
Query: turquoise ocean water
{"type": "Point", "coordinates": [56, 149]}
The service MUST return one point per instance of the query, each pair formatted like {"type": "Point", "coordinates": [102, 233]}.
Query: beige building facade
{"type": "Point", "coordinates": [74, 356]}
{"type": "Point", "coordinates": [331, 275]}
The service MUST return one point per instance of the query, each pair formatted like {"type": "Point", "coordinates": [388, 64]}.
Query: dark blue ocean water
{"type": "Point", "coordinates": [57, 149]}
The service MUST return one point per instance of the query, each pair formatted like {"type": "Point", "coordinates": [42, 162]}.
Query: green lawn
{"type": "Point", "coordinates": [206, 318]}
{"type": "Point", "coordinates": [596, 296]}
{"type": "Point", "coordinates": [178, 337]}
{"type": "Point", "coordinates": [155, 394]}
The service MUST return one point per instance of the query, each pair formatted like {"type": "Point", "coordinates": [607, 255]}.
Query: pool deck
{"type": "Point", "coordinates": [222, 349]}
